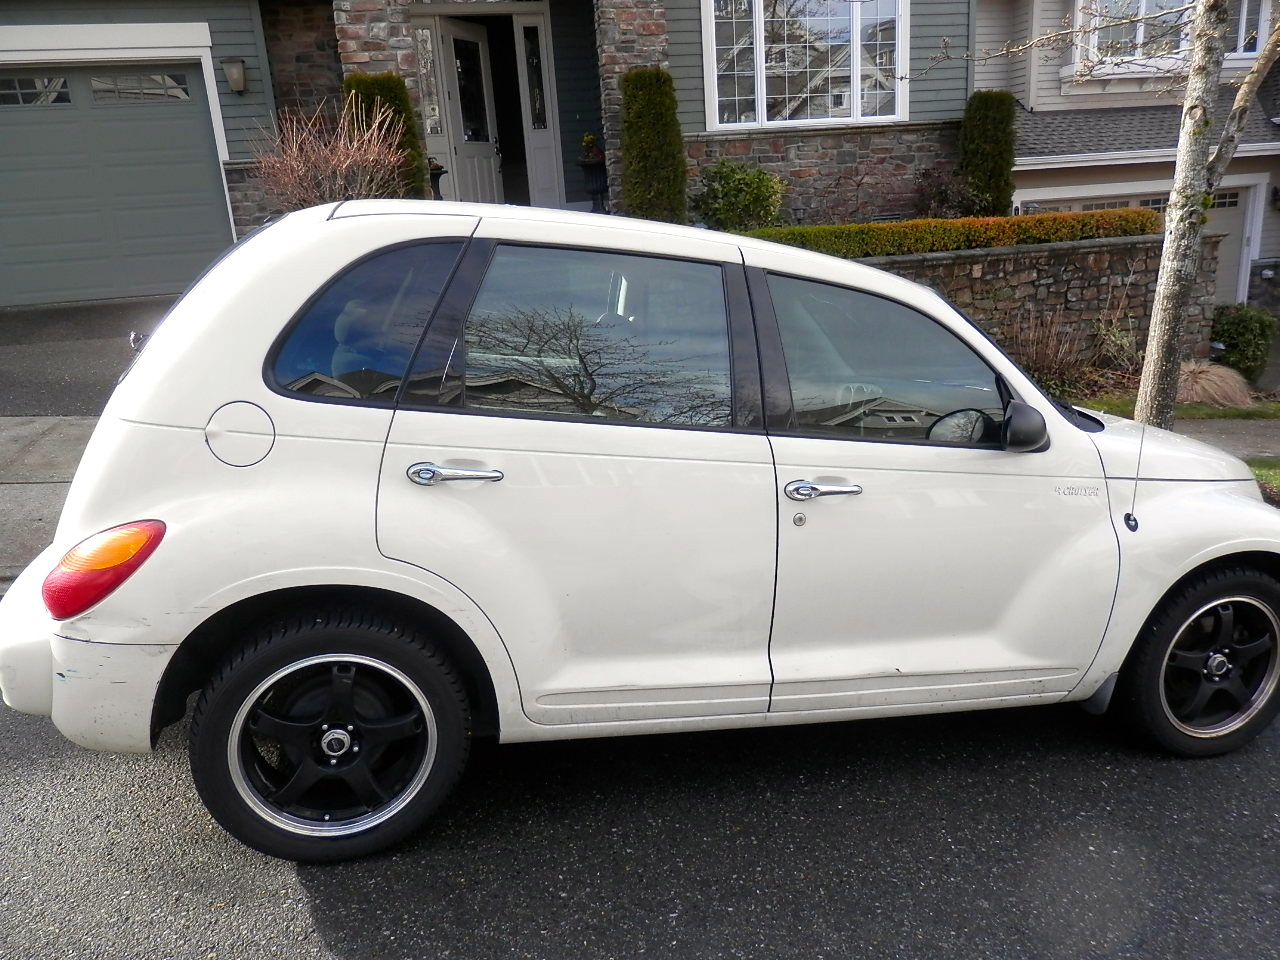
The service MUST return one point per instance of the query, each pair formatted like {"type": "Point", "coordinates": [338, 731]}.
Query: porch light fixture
{"type": "Point", "coordinates": [233, 73]}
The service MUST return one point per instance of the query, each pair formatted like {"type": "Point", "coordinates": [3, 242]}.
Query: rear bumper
{"type": "Point", "coordinates": [100, 695]}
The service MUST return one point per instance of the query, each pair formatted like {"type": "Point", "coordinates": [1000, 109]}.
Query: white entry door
{"type": "Point", "coordinates": [537, 96]}
{"type": "Point", "coordinates": [475, 161]}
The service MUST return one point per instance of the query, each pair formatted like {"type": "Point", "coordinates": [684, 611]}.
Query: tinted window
{"type": "Point", "coordinates": [867, 367]}
{"type": "Point", "coordinates": [590, 334]}
{"type": "Point", "coordinates": [356, 338]}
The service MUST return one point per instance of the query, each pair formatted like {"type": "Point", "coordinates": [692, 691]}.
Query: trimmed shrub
{"type": "Point", "coordinates": [986, 149]}
{"type": "Point", "coordinates": [738, 197]}
{"type": "Point", "coordinates": [654, 172]}
{"type": "Point", "coordinates": [1246, 332]}
{"type": "Point", "coordinates": [857, 240]}
{"type": "Point", "coordinates": [390, 88]}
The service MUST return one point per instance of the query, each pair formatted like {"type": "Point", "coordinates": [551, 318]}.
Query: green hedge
{"type": "Point", "coordinates": [857, 240]}
{"type": "Point", "coordinates": [654, 170]}
{"type": "Point", "coordinates": [986, 149]}
{"type": "Point", "coordinates": [392, 90]}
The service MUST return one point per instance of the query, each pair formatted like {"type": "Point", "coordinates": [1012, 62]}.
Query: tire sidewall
{"type": "Point", "coordinates": [218, 706]}
{"type": "Point", "coordinates": [1143, 674]}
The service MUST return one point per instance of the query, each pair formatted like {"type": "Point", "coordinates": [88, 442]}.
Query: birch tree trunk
{"type": "Point", "coordinates": [1185, 216]}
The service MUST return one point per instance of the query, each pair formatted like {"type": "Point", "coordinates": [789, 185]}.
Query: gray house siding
{"type": "Point", "coordinates": [235, 28]}
{"type": "Point", "coordinates": [577, 86]}
{"type": "Point", "coordinates": [937, 90]}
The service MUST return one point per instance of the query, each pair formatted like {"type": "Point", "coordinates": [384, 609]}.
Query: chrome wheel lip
{"type": "Point", "coordinates": [311, 828]}
{"type": "Point", "coordinates": [1260, 697]}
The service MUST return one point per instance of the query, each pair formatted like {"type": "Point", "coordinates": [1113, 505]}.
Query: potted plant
{"type": "Point", "coordinates": [593, 172]}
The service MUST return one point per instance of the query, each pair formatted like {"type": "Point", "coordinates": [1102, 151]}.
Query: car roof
{"type": "Point", "coordinates": [654, 228]}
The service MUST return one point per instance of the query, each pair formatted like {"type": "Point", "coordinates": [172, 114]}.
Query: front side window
{"type": "Point", "coordinates": [588, 334]}
{"type": "Point", "coordinates": [795, 61]}
{"type": "Point", "coordinates": [355, 340]}
{"type": "Point", "coordinates": [869, 368]}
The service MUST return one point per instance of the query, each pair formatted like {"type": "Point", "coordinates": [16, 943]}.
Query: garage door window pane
{"type": "Point", "coordinates": [865, 367]}
{"type": "Point", "coordinates": [355, 340]}
{"type": "Point", "coordinates": [134, 88]}
{"type": "Point", "coordinates": [600, 335]}
{"type": "Point", "coordinates": [33, 91]}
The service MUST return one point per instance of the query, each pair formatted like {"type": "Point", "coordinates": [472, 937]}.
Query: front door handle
{"type": "Point", "coordinates": [429, 474]}
{"type": "Point", "coordinates": [808, 490]}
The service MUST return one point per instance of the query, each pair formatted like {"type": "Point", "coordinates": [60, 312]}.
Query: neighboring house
{"type": "Point", "coordinates": [127, 153]}
{"type": "Point", "coordinates": [1099, 118]}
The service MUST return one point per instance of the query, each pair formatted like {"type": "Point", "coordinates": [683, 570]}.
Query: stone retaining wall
{"type": "Point", "coordinates": [836, 175]}
{"type": "Point", "coordinates": [1076, 283]}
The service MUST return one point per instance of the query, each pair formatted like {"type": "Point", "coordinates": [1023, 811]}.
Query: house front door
{"type": "Point", "coordinates": [475, 160]}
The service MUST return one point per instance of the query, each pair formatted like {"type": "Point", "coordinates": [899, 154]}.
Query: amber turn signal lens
{"type": "Point", "coordinates": [93, 568]}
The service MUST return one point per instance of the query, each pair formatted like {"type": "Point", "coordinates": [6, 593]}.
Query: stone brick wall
{"type": "Point", "coordinates": [249, 205]}
{"type": "Point", "coordinates": [835, 175]}
{"type": "Point", "coordinates": [1075, 283]}
{"type": "Point", "coordinates": [302, 50]}
{"type": "Point", "coordinates": [630, 34]}
{"type": "Point", "coordinates": [374, 36]}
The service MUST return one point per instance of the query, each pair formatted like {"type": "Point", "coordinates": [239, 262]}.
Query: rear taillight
{"type": "Point", "coordinates": [96, 566]}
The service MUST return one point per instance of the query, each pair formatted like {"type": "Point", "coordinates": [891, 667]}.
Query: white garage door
{"type": "Point", "coordinates": [110, 184]}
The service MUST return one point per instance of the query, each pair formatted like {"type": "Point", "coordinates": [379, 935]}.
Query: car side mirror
{"type": "Point", "coordinates": [1024, 429]}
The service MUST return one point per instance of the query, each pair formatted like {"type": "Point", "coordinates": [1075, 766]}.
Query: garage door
{"type": "Point", "coordinates": [110, 184]}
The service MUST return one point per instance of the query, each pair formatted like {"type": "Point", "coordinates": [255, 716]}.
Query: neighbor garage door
{"type": "Point", "coordinates": [110, 184]}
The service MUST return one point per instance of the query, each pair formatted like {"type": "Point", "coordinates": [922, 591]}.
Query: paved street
{"type": "Point", "coordinates": [1017, 834]}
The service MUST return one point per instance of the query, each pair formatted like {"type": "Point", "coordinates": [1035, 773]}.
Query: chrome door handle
{"type": "Point", "coordinates": [808, 490]}
{"type": "Point", "coordinates": [429, 474]}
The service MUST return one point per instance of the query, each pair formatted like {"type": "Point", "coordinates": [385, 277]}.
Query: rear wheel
{"type": "Point", "coordinates": [329, 737]}
{"type": "Point", "coordinates": [1203, 677]}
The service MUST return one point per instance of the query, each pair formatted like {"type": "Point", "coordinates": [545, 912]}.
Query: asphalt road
{"type": "Point", "coordinates": [1022, 834]}
{"type": "Point", "coordinates": [1016, 834]}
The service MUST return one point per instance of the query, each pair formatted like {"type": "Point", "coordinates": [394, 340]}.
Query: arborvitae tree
{"type": "Point", "coordinates": [654, 169]}
{"type": "Point", "coordinates": [986, 150]}
{"type": "Point", "coordinates": [390, 88]}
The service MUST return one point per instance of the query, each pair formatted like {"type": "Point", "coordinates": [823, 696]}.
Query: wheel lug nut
{"type": "Point", "coordinates": [350, 728]}
{"type": "Point", "coordinates": [355, 748]}
{"type": "Point", "coordinates": [324, 727]}
{"type": "Point", "coordinates": [326, 816]}
{"type": "Point", "coordinates": [333, 762]}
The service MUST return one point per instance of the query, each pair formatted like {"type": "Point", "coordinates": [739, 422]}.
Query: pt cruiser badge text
{"type": "Point", "coordinates": [1078, 491]}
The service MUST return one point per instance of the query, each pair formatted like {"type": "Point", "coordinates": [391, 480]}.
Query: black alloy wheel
{"type": "Point", "coordinates": [329, 737]}
{"type": "Point", "coordinates": [1202, 679]}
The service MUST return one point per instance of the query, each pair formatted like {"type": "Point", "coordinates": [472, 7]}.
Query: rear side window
{"type": "Point", "coordinates": [355, 339]}
{"type": "Point", "coordinates": [588, 334]}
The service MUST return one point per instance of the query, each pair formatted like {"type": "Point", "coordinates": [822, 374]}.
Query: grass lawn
{"type": "Point", "coordinates": [1121, 405]}
{"type": "Point", "coordinates": [1267, 470]}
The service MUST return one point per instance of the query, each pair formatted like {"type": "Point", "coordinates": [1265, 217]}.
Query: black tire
{"type": "Point", "coordinates": [329, 736]}
{"type": "Point", "coordinates": [1202, 678]}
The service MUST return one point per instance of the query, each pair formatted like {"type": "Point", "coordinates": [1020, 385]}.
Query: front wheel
{"type": "Point", "coordinates": [329, 737]}
{"type": "Point", "coordinates": [1203, 677]}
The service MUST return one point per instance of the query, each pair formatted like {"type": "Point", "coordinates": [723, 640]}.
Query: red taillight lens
{"type": "Point", "coordinates": [94, 567]}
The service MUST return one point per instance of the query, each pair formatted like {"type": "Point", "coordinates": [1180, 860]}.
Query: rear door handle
{"type": "Point", "coordinates": [808, 490]}
{"type": "Point", "coordinates": [429, 474]}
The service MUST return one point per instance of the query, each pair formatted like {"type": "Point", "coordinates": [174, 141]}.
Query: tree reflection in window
{"type": "Point", "coordinates": [600, 335]}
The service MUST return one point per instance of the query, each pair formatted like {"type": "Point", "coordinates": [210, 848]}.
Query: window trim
{"type": "Point", "coordinates": [448, 320]}
{"type": "Point", "coordinates": [780, 414]}
{"type": "Point", "coordinates": [389, 402]}
{"type": "Point", "coordinates": [710, 85]}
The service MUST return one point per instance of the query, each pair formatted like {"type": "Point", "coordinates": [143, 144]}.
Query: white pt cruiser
{"type": "Point", "coordinates": [394, 474]}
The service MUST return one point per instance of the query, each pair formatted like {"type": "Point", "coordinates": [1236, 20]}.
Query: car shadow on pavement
{"type": "Point", "coordinates": [1027, 833]}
